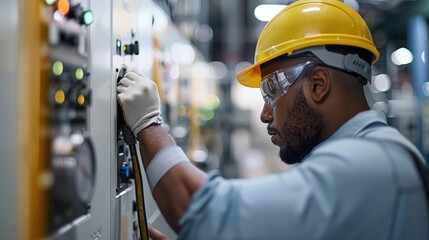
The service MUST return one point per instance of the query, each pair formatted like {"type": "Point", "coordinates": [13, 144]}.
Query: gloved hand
{"type": "Point", "coordinates": [139, 100]}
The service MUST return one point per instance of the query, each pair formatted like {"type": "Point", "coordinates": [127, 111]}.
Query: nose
{"type": "Point", "coordinates": [266, 114]}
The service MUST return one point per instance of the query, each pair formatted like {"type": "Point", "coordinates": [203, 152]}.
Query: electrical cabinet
{"type": "Point", "coordinates": [76, 174]}
{"type": "Point", "coordinates": [72, 162]}
{"type": "Point", "coordinates": [75, 171]}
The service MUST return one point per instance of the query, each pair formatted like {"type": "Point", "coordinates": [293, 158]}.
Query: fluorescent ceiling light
{"type": "Point", "coordinates": [402, 56]}
{"type": "Point", "coordinates": [265, 12]}
{"type": "Point", "coordinates": [426, 89]}
{"type": "Point", "coordinates": [382, 82]}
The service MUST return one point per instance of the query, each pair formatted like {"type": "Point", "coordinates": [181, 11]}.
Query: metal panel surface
{"type": "Point", "coordinates": [97, 224]}
{"type": "Point", "coordinates": [101, 123]}
{"type": "Point", "coordinates": [132, 21]}
{"type": "Point", "coordinates": [8, 62]}
{"type": "Point", "coordinates": [111, 215]}
{"type": "Point", "coordinates": [124, 29]}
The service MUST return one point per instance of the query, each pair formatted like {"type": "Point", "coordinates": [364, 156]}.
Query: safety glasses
{"type": "Point", "coordinates": [276, 84]}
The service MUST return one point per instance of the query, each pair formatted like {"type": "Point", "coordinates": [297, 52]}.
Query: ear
{"type": "Point", "coordinates": [319, 83]}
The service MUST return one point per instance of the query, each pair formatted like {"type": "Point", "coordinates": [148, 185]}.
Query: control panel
{"type": "Point", "coordinates": [73, 164]}
{"type": "Point", "coordinates": [125, 55]}
{"type": "Point", "coordinates": [82, 177]}
{"type": "Point", "coordinates": [124, 166]}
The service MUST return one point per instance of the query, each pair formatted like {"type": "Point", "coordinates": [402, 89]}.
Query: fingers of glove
{"type": "Point", "coordinates": [121, 98]}
{"type": "Point", "coordinates": [133, 76]}
{"type": "Point", "coordinates": [141, 83]}
{"type": "Point", "coordinates": [126, 104]}
{"type": "Point", "coordinates": [130, 95]}
{"type": "Point", "coordinates": [134, 70]}
{"type": "Point", "coordinates": [125, 82]}
{"type": "Point", "coordinates": [121, 89]}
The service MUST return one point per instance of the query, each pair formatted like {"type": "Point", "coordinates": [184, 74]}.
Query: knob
{"type": "Point", "coordinates": [124, 172]}
{"type": "Point", "coordinates": [136, 48]}
{"type": "Point", "coordinates": [129, 49]}
{"type": "Point", "coordinates": [75, 11]}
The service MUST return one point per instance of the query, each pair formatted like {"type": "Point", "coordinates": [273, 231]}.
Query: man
{"type": "Point", "coordinates": [356, 178]}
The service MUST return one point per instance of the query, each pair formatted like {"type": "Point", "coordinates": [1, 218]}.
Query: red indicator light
{"type": "Point", "coordinates": [63, 7]}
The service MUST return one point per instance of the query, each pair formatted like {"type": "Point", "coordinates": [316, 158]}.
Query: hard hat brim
{"type": "Point", "coordinates": [250, 77]}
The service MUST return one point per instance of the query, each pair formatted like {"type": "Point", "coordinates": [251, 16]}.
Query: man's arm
{"type": "Point", "coordinates": [174, 180]}
{"type": "Point", "coordinates": [174, 191]}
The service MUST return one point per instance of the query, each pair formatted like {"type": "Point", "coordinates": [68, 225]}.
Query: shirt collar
{"type": "Point", "coordinates": [358, 123]}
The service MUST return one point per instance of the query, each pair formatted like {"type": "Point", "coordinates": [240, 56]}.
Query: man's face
{"type": "Point", "coordinates": [294, 125]}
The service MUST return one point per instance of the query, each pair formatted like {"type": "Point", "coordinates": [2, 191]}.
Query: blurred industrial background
{"type": "Point", "coordinates": [226, 32]}
{"type": "Point", "coordinates": [59, 65]}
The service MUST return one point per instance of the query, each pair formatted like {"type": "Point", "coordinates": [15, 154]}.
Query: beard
{"type": "Point", "coordinates": [301, 132]}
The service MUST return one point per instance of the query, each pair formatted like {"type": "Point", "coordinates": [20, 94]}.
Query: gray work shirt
{"type": "Point", "coordinates": [348, 187]}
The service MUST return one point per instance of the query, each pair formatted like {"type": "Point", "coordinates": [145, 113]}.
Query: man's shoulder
{"type": "Point", "coordinates": [368, 143]}
{"type": "Point", "coordinates": [347, 148]}
{"type": "Point", "coordinates": [378, 153]}
{"type": "Point", "coordinates": [372, 150]}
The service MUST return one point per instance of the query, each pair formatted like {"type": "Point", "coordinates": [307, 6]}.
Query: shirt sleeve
{"type": "Point", "coordinates": [322, 197]}
{"type": "Point", "coordinates": [247, 209]}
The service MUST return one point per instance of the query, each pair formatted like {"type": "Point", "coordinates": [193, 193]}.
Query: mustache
{"type": "Point", "coordinates": [272, 130]}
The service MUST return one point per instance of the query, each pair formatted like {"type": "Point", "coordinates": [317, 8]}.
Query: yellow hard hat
{"type": "Point", "coordinates": [304, 24]}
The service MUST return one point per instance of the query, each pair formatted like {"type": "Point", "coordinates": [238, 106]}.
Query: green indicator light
{"type": "Point", "coordinates": [118, 43]}
{"type": "Point", "coordinates": [79, 73]}
{"type": "Point", "coordinates": [58, 68]}
{"type": "Point", "coordinates": [50, 2]}
{"type": "Point", "coordinates": [206, 114]}
{"type": "Point", "coordinates": [88, 17]}
{"type": "Point", "coordinates": [212, 102]}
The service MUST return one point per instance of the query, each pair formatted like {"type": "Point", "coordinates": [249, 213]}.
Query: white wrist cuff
{"type": "Point", "coordinates": [163, 161]}
{"type": "Point", "coordinates": [144, 123]}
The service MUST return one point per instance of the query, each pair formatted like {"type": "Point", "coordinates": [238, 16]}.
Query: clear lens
{"type": "Point", "coordinates": [276, 84]}
{"type": "Point", "coordinates": [270, 89]}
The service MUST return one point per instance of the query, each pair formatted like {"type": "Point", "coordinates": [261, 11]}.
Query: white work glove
{"type": "Point", "coordinates": [139, 99]}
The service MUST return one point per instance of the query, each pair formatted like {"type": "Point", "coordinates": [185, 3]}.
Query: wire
{"type": "Point", "coordinates": [131, 141]}
{"type": "Point", "coordinates": [141, 211]}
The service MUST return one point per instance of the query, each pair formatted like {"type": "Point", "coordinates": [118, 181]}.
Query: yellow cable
{"type": "Point", "coordinates": [140, 197]}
